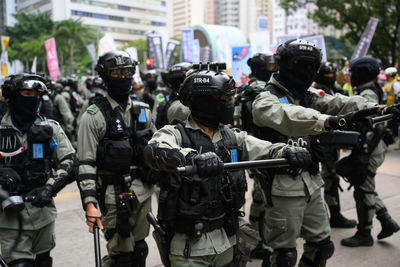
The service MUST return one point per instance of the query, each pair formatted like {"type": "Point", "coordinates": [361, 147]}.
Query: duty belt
{"type": "Point", "coordinates": [186, 226]}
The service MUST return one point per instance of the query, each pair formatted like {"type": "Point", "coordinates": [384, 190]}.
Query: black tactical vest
{"type": "Point", "coordinates": [119, 150]}
{"type": "Point", "coordinates": [33, 163]}
{"type": "Point", "coordinates": [269, 134]}
{"type": "Point", "coordinates": [211, 202]}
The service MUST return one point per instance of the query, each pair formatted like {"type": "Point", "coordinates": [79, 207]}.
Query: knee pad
{"type": "Point", "coordinates": [44, 260]}
{"type": "Point", "coordinates": [140, 253]}
{"type": "Point", "coordinates": [122, 260]}
{"type": "Point", "coordinates": [21, 263]}
{"type": "Point", "coordinates": [286, 257]}
{"type": "Point", "coordinates": [326, 248]}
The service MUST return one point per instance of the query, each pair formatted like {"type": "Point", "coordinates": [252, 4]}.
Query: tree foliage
{"type": "Point", "coordinates": [352, 16]}
{"type": "Point", "coordinates": [27, 38]}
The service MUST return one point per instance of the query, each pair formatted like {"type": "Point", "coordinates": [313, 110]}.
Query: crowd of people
{"type": "Point", "coordinates": [121, 138]}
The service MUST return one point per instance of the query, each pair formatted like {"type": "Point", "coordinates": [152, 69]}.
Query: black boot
{"type": "Point", "coordinates": [337, 220]}
{"type": "Point", "coordinates": [362, 237]}
{"type": "Point", "coordinates": [389, 226]}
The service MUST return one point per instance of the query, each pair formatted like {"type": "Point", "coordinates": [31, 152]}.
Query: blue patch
{"type": "Point", "coordinates": [54, 144]}
{"type": "Point", "coordinates": [142, 116]}
{"type": "Point", "coordinates": [134, 95]}
{"type": "Point", "coordinates": [37, 150]}
{"type": "Point", "coordinates": [234, 155]}
{"type": "Point", "coordinates": [284, 100]}
{"type": "Point", "coordinates": [167, 97]}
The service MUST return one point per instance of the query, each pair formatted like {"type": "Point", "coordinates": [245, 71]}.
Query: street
{"type": "Point", "coordinates": [75, 243]}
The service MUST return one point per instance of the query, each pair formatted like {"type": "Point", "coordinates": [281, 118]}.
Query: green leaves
{"type": "Point", "coordinates": [30, 32]}
{"type": "Point", "coordinates": [352, 17]}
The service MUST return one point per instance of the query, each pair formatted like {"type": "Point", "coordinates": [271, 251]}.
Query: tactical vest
{"type": "Point", "coordinates": [33, 163]}
{"type": "Point", "coordinates": [120, 149]}
{"type": "Point", "coordinates": [56, 111]}
{"type": "Point", "coordinates": [269, 134]}
{"type": "Point", "coordinates": [209, 203]}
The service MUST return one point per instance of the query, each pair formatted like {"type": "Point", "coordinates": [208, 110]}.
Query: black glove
{"type": "Point", "coordinates": [393, 109]}
{"type": "Point", "coordinates": [207, 164]}
{"type": "Point", "coordinates": [41, 196]}
{"type": "Point", "coordinates": [342, 122]}
{"type": "Point", "coordinates": [162, 159]}
{"type": "Point", "coordinates": [298, 157]}
{"type": "Point", "coordinates": [249, 93]}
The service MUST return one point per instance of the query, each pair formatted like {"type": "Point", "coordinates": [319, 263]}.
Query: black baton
{"type": "Point", "coordinates": [253, 164]}
{"type": "Point", "coordinates": [97, 245]}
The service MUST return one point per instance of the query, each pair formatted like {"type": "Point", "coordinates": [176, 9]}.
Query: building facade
{"type": "Point", "coordinates": [124, 20]}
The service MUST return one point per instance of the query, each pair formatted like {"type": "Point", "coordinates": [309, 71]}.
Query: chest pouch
{"type": "Point", "coordinates": [115, 151]}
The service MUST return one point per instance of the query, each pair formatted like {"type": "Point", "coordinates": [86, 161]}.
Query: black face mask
{"type": "Point", "coordinates": [298, 79]}
{"type": "Point", "coordinates": [23, 110]}
{"type": "Point", "coordinates": [119, 90]}
{"type": "Point", "coordinates": [211, 111]}
{"type": "Point", "coordinates": [328, 81]}
{"type": "Point", "coordinates": [152, 85]}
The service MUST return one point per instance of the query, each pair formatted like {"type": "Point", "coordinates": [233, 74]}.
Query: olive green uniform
{"type": "Point", "coordinates": [370, 196]}
{"type": "Point", "coordinates": [298, 209]}
{"type": "Point", "coordinates": [92, 130]}
{"type": "Point", "coordinates": [37, 223]}
{"type": "Point", "coordinates": [177, 111]}
{"type": "Point", "coordinates": [62, 106]}
{"type": "Point", "coordinates": [257, 205]}
{"type": "Point", "coordinates": [213, 248]}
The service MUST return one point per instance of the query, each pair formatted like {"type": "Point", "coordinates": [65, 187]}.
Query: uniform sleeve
{"type": "Point", "coordinates": [169, 137]}
{"type": "Point", "coordinates": [65, 112]}
{"type": "Point", "coordinates": [177, 111]}
{"type": "Point", "coordinates": [370, 96]}
{"type": "Point", "coordinates": [288, 119]}
{"type": "Point", "coordinates": [340, 104]}
{"type": "Point", "coordinates": [256, 149]}
{"type": "Point", "coordinates": [64, 152]}
{"type": "Point", "coordinates": [91, 130]}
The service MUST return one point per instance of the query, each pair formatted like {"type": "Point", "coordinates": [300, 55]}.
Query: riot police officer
{"type": "Point", "coordinates": [326, 80]}
{"type": "Point", "coordinates": [111, 138]}
{"type": "Point", "coordinates": [173, 108]}
{"type": "Point", "coordinates": [364, 72]}
{"type": "Point", "coordinates": [36, 162]}
{"type": "Point", "coordinates": [290, 111]}
{"type": "Point", "coordinates": [202, 210]}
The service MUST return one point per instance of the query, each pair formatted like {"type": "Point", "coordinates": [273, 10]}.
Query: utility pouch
{"type": "Point", "coordinates": [125, 202]}
{"type": "Point", "coordinates": [231, 223]}
{"type": "Point", "coordinates": [115, 155]}
{"type": "Point", "coordinates": [354, 167]}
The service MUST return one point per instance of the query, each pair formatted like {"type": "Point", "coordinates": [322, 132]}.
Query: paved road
{"type": "Point", "coordinates": [75, 243]}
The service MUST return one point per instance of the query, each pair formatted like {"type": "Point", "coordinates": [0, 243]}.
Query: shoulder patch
{"type": "Point", "coordinates": [93, 109]}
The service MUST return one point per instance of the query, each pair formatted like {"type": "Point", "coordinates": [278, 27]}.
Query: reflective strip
{"type": "Point", "coordinates": [12, 154]}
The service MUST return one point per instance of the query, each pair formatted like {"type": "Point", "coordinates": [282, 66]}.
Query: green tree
{"type": "Point", "coordinates": [352, 16]}
{"type": "Point", "coordinates": [72, 37]}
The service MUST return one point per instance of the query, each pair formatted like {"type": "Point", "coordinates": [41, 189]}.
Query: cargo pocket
{"type": "Point", "coordinates": [275, 229]}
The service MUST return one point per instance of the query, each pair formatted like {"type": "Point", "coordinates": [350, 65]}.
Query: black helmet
{"type": "Point", "coordinates": [24, 81]}
{"type": "Point", "coordinates": [177, 74]}
{"type": "Point", "coordinates": [202, 91]}
{"type": "Point", "coordinates": [89, 82]}
{"type": "Point", "coordinates": [363, 70]}
{"type": "Point", "coordinates": [298, 62]}
{"type": "Point", "coordinates": [262, 65]}
{"type": "Point", "coordinates": [325, 72]}
{"type": "Point", "coordinates": [98, 82]}
{"type": "Point", "coordinates": [115, 60]}
{"type": "Point", "coordinates": [63, 81]}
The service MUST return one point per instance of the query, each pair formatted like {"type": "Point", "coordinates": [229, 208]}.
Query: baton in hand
{"type": "Point", "coordinates": [231, 166]}
{"type": "Point", "coordinates": [97, 245]}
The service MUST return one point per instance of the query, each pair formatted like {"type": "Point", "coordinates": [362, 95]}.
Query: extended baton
{"type": "Point", "coordinates": [383, 118]}
{"type": "Point", "coordinates": [97, 245]}
{"type": "Point", "coordinates": [231, 166]}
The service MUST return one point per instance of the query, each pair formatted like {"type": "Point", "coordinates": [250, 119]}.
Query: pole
{"type": "Point", "coordinates": [254, 164]}
{"type": "Point", "coordinates": [383, 118]}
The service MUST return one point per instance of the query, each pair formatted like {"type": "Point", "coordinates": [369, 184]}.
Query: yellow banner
{"type": "Point", "coordinates": [4, 70]}
{"type": "Point", "coordinates": [4, 42]}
